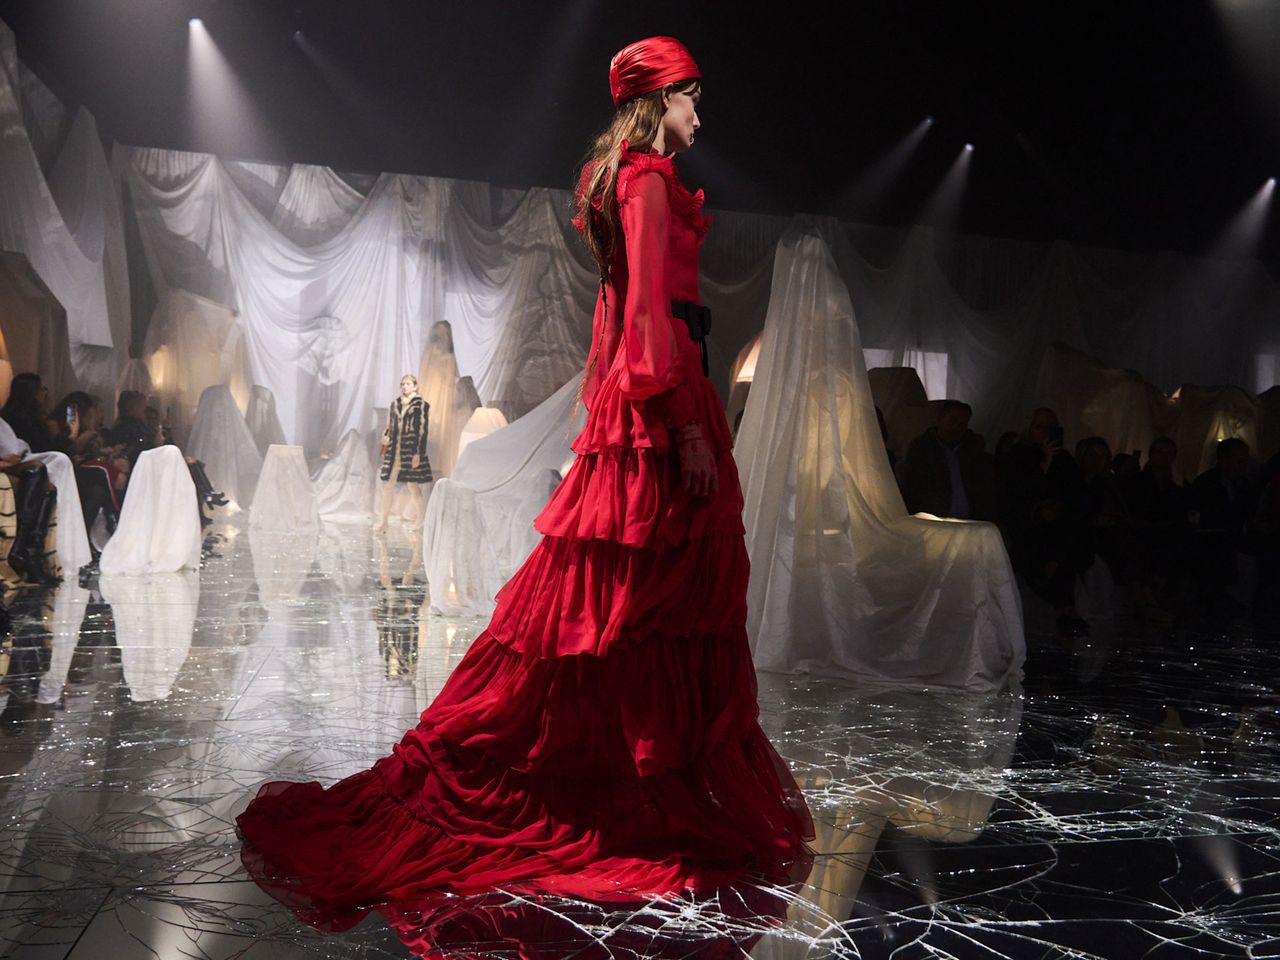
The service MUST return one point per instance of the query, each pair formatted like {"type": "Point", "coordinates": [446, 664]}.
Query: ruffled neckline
{"type": "Point", "coordinates": [633, 163]}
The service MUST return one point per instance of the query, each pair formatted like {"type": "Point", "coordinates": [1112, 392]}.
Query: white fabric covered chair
{"type": "Point", "coordinates": [842, 580]}
{"type": "Point", "coordinates": [73, 538]}
{"type": "Point", "coordinates": [159, 528]}
{"type": "Point", "coordinates": [438, 384]}
{"type": "Point", "coordinates": [1095, 401]}
{"type": "Point", "coordinates": [285, 500]}
{"type": "Point", "coordinates": [262, 420]}
{"type": "Point", "coordinates": [222, 441]}
{"type": "Point", "coordinates": [1207, 415]}
{"type": "Point", "coordinates": [345, 485]}
{"type": "Point", "coordinates": [479, 523]}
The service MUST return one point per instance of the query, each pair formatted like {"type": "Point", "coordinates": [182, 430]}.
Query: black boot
{"type": "Point", "coordinates": [31, 489]}
{"type": "Point", "coordinates": [204, 487]}
{"type": "Point", "coordinates": [33, 527]}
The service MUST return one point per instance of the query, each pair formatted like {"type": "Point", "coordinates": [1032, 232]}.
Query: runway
{"type": "Point", "coordinates": [1121, 803]}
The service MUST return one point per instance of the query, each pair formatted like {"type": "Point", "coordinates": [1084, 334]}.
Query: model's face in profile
{"type": "Point", "coordinates": [680, 122]}
{"type": "Point", "coordinates": [407, 386]}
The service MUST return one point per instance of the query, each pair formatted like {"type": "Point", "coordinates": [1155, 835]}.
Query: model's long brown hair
{"type": "Point", "coordinates": [637, 122]}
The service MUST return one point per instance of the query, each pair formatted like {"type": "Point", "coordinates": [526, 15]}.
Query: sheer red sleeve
{"type": "Point", "coordinates": [654, 368]}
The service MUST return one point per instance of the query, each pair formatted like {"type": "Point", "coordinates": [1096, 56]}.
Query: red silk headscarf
{"type": "Point", "coordinates": [647, 65]}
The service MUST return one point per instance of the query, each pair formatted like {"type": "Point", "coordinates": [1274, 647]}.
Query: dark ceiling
{"type": "Point", "coordinates": [1131, 124]}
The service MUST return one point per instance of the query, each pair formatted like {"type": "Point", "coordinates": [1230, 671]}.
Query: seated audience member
{"type": "Point", "coordinates": [1040, 496]}
{"type": "Point", "coordinates": [157, 425]}
{"type": "Point", "coordinates": [102, 471]}
{"type": "Point", "coordinates": [27, 412]}
{"type": "Point", "coordinates": [130, 431]}
{"type": "Point", "coordinates": [1224, 501]}
{"type": "Point", "coordinates": [946, 472]}
{"type": "Point", "coordinates": [1103, 509]}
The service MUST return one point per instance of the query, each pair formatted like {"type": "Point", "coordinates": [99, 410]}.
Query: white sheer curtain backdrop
{"type": "Point", "coordinates": [479, 523]}
{"type": "Point", "coordinates": [842, 580]}
{"type": "Point", "coordinates": [345, 483]}
{"type": "Point", "coordinates": [337, 279]}
{"type": "Point", "coordinates": [262, 420]}
{"type": "Point", "coordinates": [193, 343]}
{"type": "Point", "coordinates": [221, 440]}
{"type": "Point", "coordinates": [68, 222]}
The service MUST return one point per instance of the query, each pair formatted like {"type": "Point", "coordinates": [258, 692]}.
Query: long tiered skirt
{"type": "Point", "coordinates": [598, 740]}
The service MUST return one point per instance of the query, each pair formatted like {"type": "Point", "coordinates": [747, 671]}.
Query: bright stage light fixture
{"type": "Point", "coordinates": [195, 22]}
{"type": "Point", "coordinates": [969, 147]}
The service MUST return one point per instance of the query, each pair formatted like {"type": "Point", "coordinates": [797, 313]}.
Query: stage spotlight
{"type": "Point", "coordinates": [942, 209]}
{"type": "Point", "coordinates": [1240, 239]}
{"type": "Point", "coordinates": [223, 117]}
{"type": "Point", "coordinates": [872, 185]}
{"type": "Point", "coordinates": [297, 36]}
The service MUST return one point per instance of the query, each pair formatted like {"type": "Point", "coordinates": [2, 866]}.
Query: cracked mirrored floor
{"type": "Point", "coordinates": [1121, 804]}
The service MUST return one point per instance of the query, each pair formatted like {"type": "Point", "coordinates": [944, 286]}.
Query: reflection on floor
{"type": "Point", "coordinates": [1124, 806]}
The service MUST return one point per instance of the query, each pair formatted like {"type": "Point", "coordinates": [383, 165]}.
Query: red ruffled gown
{"type": "Point", "coordinates": [600, 737]}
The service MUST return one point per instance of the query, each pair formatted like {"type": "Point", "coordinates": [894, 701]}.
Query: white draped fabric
{"type": "Point", "coordinates": [438, 384]}
{"type": "Point", "coordinates": [262, 420]}
{"type": "Point", "coordinates": [345, 484]}
{"type": "Point", "coordinates": [1207, 415]}
{"type": "Point", "coordinates": [193, 343]}
{"type": "Point", "coordinates": [285, 501]}
{"type": "Point", "coordinates": [479, 523]}
{"type": "Point", "coordinates": [1117, 405]}
{"type": "Point", "coordinates": [159, 528]}
{"type": "Point", "coordinates": [134, 375]}
{"type": "Point", "coordinates": [67, 224]}
{"type": "Point", "coordinates": [314, 206]}
{"type": "Point", "coordinates": [221, 440]}
{"type": "Point", "coordinates": [337, 280]}
{"type": "Point", "coordinates": [73, 539]}
{"type": "Point", "coordinates": [843, 581]}
{"type": "Point", "coordinates": [328, 326]}
{"type": "Point", "coordinates": [33, 328]}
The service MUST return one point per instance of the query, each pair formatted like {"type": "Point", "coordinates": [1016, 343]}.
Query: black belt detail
{"type": "Point", "coordinates": [698, 319]}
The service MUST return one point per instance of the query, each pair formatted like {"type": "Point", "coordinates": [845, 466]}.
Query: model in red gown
{"type": "Point", "coordinates": [600, 737]}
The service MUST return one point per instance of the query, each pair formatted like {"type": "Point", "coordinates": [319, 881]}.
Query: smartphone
{"type": "Point", "coordinates": [71, 413]}
{"type": "Point", "coordinates": [1055, 434]}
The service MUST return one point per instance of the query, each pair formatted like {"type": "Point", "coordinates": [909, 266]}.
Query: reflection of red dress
{"type": "Point", "coordinates": [600, 738]}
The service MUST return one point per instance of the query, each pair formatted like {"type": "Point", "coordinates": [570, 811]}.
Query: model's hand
{"type": "Point", "coordinates": [416, 460]}
{"type": "Point", "coordinates": [697, 467]}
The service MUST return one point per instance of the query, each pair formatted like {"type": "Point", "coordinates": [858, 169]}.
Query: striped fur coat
{"type": "Point", "coordinates": [407, 433]}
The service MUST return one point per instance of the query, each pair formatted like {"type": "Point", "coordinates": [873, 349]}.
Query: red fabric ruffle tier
{"type": "Point", "coordinates": [598, 740]}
